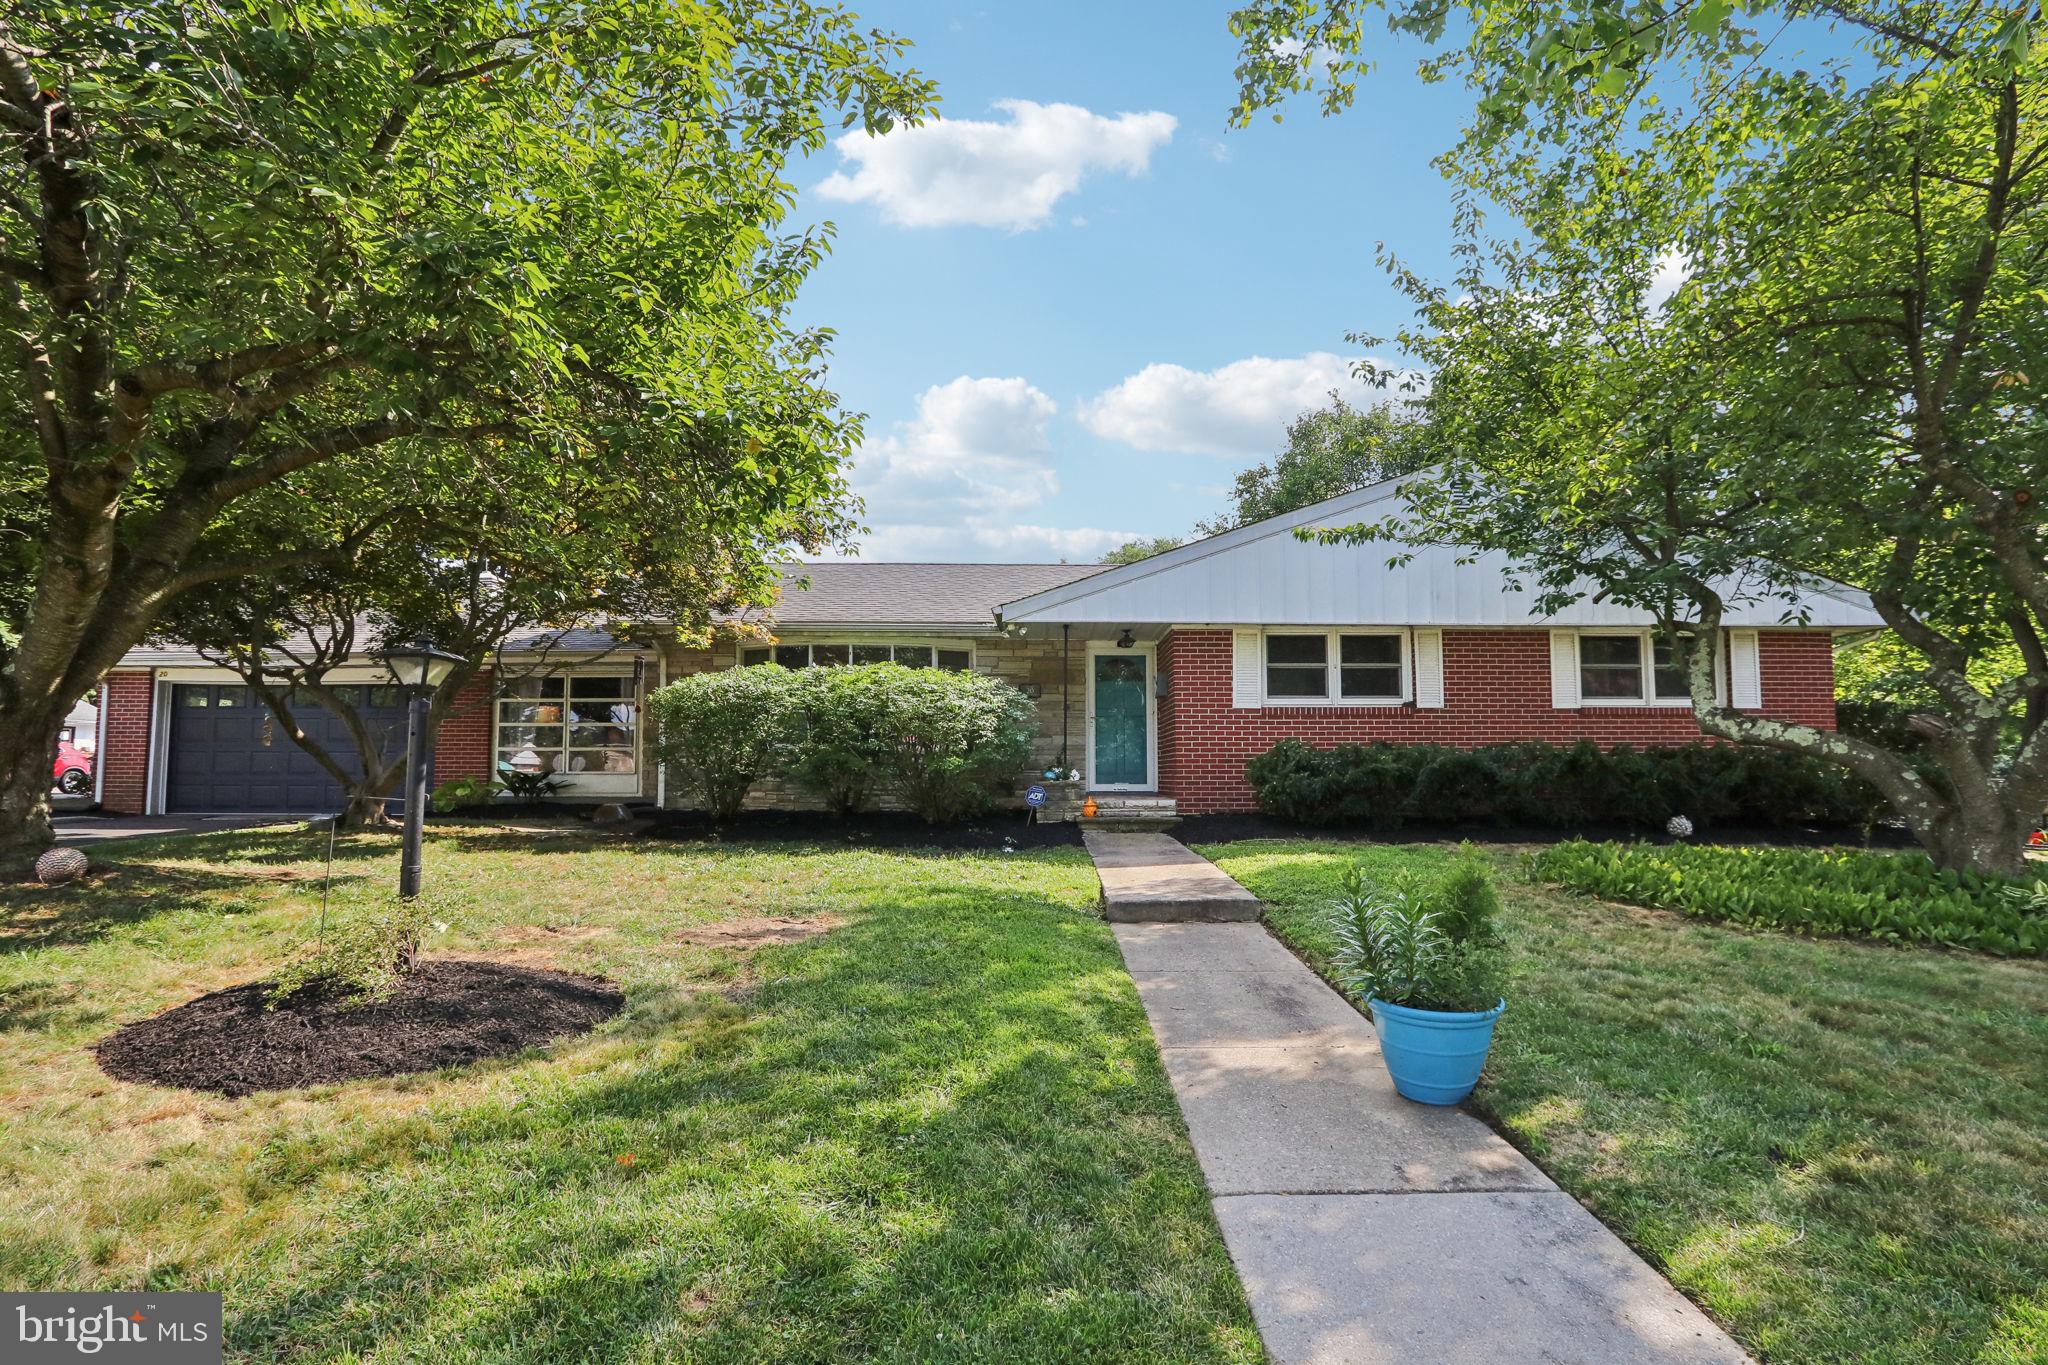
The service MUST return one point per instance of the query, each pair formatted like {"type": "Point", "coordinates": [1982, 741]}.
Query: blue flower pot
{"type": "Point", "coordinates": [1434, 1056]}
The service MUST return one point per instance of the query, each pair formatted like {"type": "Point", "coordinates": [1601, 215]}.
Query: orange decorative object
{"type": "Point", "coordinates": [1088, 809]}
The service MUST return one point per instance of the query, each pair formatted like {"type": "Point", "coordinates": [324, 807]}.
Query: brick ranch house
{"type": "Point", "coordinates": [1162, 677]}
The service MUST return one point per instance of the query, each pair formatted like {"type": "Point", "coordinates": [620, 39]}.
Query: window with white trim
{"type": "Point", "coordinates": [839, 655]}
{"type": "Point", "coordinates": [583, 723]}
{"type": "Point", "coordinates": [1298, 667]}
{"type": "Point", "coordinates": [1630, 668]}
{"type": "Point", "coordinates": [1357, 668]}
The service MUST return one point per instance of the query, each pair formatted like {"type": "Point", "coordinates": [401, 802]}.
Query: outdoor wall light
{"type": "Point", "coordinates": [1126, 640]}
{"type": "Point", "coordinates": [419, 664]}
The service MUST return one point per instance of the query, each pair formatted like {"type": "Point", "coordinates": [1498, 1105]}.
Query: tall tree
{"type": "Point", "coordinates": [244, 243]}
{"type": "Point", "coordinates": [1771, 320]}
{"type": "Point", "coordinates": [1330, 450]}
{"type": "Point", "coordinates": [607, 543]}
{"type": "Point", "coordinates": [1131, 551]}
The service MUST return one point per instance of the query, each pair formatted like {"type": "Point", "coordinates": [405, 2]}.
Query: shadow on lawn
{"type": "Point", "coordinates": [939, 1131]}
{"type": "Point", "coordinates": [117, 896]}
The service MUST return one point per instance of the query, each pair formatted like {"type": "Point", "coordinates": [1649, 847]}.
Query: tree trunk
{"type": "Point", "coordinates": [365, 810]}
{"type": "Point", "coordinates": [26, 755]}
{"type": "Point", "coordinates": [1991, 845]}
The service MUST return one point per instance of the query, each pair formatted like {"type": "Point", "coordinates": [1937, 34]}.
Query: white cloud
{"type": "Point", "coordinates": [1669, 275]}
{"type": "Point", "coordinates": [983, 542]}
{"type": "Point", "coordinates": [977, 447]}
{"type": "Point", "coordinates": [1239, 410]}
{"type": "Point", "coordinates": [951, 483]}
{"type": "Point", "coordinates": [983, 173]}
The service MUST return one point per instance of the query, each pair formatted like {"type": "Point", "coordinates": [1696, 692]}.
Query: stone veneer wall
{"type": "Point", "coordinates": [1019, 662]}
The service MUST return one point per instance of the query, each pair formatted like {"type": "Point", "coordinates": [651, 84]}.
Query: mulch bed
{"type": "Point", "coordinates": [1231, 827]}
{"type": "Point", "coordinates": [445, 1012]}
{"type": "Point", "coordinates": [876, 829]}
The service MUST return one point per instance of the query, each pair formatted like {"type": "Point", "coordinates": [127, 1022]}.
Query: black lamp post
{"type": "Point", "coordinates": [419, 668]}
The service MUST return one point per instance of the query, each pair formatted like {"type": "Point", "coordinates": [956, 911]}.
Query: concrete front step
{"type": "Point", "coordinates": [1151, 878]}
{"type": "Point", "coordinates": [1129, 822]}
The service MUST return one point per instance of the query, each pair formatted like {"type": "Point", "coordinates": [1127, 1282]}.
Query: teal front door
{"type": "Point", "coordinates": [1122, 743]}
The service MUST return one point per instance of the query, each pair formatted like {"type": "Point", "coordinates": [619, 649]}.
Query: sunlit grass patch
{"type": "Point", "coordinates": [1840, 1149]}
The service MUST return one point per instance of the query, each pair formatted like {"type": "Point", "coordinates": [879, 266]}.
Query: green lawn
{"type": "Point", "coordinates": [1840, 1149]}
{"type": "Point", "coordinates": [938, 1132]}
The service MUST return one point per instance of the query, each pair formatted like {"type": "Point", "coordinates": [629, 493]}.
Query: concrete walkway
{"type": "Point", "coordinates": [1151, 877]}
{"type": "Point", "coordinates": [1367, 1228]}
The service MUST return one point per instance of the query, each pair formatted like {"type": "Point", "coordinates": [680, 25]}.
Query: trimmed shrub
{"type": "Point", "coordinates": [1354, 785]}
{"type": "Point", "coordinates": [1896, 898]}
{"type": "Point", "coordinates": [722, 732]}
{"type": "Point", "coordinates": [1384, 786]}
{"type": "Point", "coordinates": [952, 740]}
{"type": "Point", "coordinates": [838, 728]}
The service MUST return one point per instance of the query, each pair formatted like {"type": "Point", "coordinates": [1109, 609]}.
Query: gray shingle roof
{"type": "Point", "coordinates": [839, 593]}
{"type": "Point", "coordinates": [845, 593]}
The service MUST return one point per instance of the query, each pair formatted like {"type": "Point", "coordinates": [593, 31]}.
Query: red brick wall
{"type": "Point", "coordinates": [123, 757]}
{"type": "Point", "coordinates": [1496, 690]}
{"type": "Point", "coordinates": [462, 748]}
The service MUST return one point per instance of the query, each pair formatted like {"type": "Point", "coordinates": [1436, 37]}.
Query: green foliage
{"type": "Point", "coordinates": [838, 732]}
{"type": "Point", "coordinates": [462, 793]}
{"type": "Point", "coordinates": [359, 955]}
{"type": "Point", "coordinates": [1385, 786]}
{"type": "Point", "coordinates": [1330, 450]}
{"type": "Point", "coordinates": [1427, 944]}
{"type": "Point", "coordinates": [1895, 898]}
{"type": "Point", "coordinates": [361, 272]}
{"type": "Point", "coordinates": [1131, 551]}
{"type": "Point", "coordinates": [525, 786]}
{"type": "Point", "coordinates": [722, 731]}
{"type": "Point", "coordinates": [954, 740]}
{"type": "Point", "coordinates": [1757, 318]}
{"type": "Point", "coordinates": [943, 743]}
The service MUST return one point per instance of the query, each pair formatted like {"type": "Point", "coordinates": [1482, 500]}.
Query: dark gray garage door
{"type": "Point", "coordinates": [228, 753]}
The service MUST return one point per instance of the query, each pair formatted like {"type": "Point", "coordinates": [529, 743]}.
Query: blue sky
{"type": "Point", "coordinates": [1080, 303]}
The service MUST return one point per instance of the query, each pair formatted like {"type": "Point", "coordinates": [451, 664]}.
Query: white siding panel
{"type": "Point", "coordinates": [1262, 574]}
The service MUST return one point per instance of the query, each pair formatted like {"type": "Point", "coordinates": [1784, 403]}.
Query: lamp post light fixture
{"type": "Point", "coordinates": [419, 669]}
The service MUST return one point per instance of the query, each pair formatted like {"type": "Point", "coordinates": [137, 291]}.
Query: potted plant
{"type": "Point", "coordinates": [1431, 966]}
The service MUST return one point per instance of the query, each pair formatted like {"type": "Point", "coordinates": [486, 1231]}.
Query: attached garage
{"type": "Point", "coordinates": [226, 752]}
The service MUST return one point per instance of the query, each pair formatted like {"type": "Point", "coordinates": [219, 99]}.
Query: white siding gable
{"type": "Point", "coordinates": [1261, 575]}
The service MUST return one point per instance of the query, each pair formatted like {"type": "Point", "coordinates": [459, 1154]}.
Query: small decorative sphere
{"type": "Point", "coordinates": [1678, 827]}
{"type": "Point", "coordinates": [60, 865]}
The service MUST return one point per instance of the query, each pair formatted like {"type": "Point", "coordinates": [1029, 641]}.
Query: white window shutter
{"type": "Point", "coordinates": [1429, 669]}
{"type": "Point", "coordinates": [1745, 671]}
{"type": "Point", "coordinates": [1247, 664]}
{"type": "Point", "coordinates": [1564, 669]}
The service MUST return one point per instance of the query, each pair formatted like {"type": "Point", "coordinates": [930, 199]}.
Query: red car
{"type": "Point", "coordinates": [73, 776]}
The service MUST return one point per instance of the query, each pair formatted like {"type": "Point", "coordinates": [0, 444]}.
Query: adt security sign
{"type": "Point", "coordinates": [1034, 796]}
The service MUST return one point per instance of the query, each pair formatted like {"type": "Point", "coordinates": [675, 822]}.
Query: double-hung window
{"type": "Point", "coordinates": [1358, 668]}
{"type": "Point", "coordinates": [575, 724]}
{"type": "Point", "coordinates": [840, 655]}
{"type": "Point", "coordinates": [1630, 668]}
